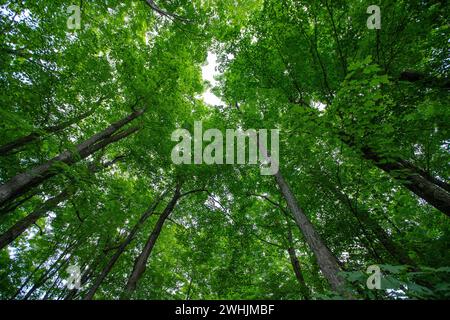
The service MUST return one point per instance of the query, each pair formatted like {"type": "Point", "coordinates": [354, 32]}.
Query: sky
{"type": "Point", "coordinates": [208, 72]}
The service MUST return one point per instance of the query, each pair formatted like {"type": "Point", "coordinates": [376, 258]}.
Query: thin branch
{"type": "Point", "coordinates": [164, 13]}
{"type": "Point", "coordinates": [193, 191]}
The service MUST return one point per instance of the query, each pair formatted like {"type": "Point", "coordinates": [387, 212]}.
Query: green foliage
{"type": "Point", "coordinates": [312, 69]}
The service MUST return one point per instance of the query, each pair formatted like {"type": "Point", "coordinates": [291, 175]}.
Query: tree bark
{"type": "Point", "coordinates": [19, 227]}
{"type": "Point", "coordinates": [164, 13]}
{"type": "Point", "coordinates": [34, 136]}
{"type": "Point", "coordinates": [141, 260]}
{"type": "Point", "coordinates": [296, 265]}
{"type": "Point", "coordinates": [13, 206]}
{"type": "Point", "coordinates": [106, 270]}
{"type": "Point", "coordinates": [23, 182]}
{"type": "Point", "coordinates": [327, 262]}
{"type": "Point", "coordinates": [430, 189]}
{"type": "Point", "coordinates": [51, 270]}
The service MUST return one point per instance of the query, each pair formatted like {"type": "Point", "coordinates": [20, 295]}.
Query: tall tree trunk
{"type": "Point", "coordinates": [430, 189]}
{"type": "Point", "coordinates": [51, 270]}
{"type": "Point", "coordinates": [147, 214]}
{"type": "Point", "coordinates": [141, 260]}
{"type": "Point", "coordinates": [13, 206]}
{"type": "Point", "coordinates": [364, 218]}
{"type": "Point", "coordinates": [50, 292]}
{"type": "Point", "coordinates": [19, 227]}
{"type": "Point", "coordinates": [304, 290]}
{"type": "Point", "coordinates": [23, 182]}
{"type": "Point", "coordinates": [88, 269]}
{"type": "Point", "coordinates": [34, 136]}
{"type": "Point", "coordinates": [42, 281]}
{"type": "Point", "coordinates": [327, 262]}
{"type": "Point", "coordinates": [30, 276]}
{"type": "Point", "coordinates": [296, 265]}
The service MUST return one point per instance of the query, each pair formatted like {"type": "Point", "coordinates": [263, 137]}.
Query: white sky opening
{"type": "Point", "coordinates": [209, 72]}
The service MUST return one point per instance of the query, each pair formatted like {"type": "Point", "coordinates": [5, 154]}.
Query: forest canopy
{"type": "Point", "coordinates": [347, 102]}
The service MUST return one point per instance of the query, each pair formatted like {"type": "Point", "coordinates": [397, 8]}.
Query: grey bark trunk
{"type": "Point", "coordinates": [23, 182]}
{"type": "Point", "coordinates": [141, 260]}
{"type": "Point", "coordinates": [327, 262]}
{"type": "Point", "coordinates": [34, 136]}
{"type": "Point", "coordinates": [106, 270]}
{"type": "Point", "coordinates": [430, 189]}
{"type": "Point", "coordinates": [17, 229]}
{"type": "Point", "coordinates": [306, 294]}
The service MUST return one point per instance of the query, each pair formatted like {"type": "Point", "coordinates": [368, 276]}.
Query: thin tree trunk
{"type": "Point", "coordinates": [88, 270]}
{"type": "Point", "coordinates": [23, 182]}
{"type": "Point", "coordinates": [87, 274]}
{"type": "Point", "coordinates": [50, 271]}
{"type": "Point", "coordinates": [365, 219]}
{"type": "Point", "coordinates": [19, 227]}
{"type": "Point", "coordinates": [13, 206]}
{"type": "Point", "coordinates": [51, 290]}
{"type": "Point", "coordinates": [34, 136]}
{"type": "Point", "coordinates": [141, 260]}
{"type": "Point", "coordinates": [296, 265]}
{"type": "Point", "coordinates": [107, 269]}
{"type": "Point", "coordinates": [304, 290]}
{"type": "Point", "coordinates": [43, 280]}
{"type": "Point", "coordinates": [19, 290]}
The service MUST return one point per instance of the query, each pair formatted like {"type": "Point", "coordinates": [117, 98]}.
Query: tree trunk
{"type": "Point", "coordinates": [50, 292]}
{"type": "Point", "coordinates": [296, 265]}
{"type": "Point", "coordinates": [19, 227]}
{"type": "Point", "coordinates": [327, 262]}
{"type": "Point", "coordinates": [34, 136]}
{"type": "Point", "coordinates": [141, 261]}
{"type": "Point", "coordinates": [364, 217]}
{"type": "Point", "coordinates": [23, 182]}
{"type": "Point", "coordinates": [50, 271]}
{"type": "Point", "coordinates": [147, 214]}
{"type": "Point", "coordinates": [42, 281]}
{"type": "Point", "coordinates": [430, 189]}
{"type": "Point", "coordinates": [13, 206]}
{"type": "Point", "coordinates": [87, 274]}
{"type": "Point", "coordinates": [19, 290]}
